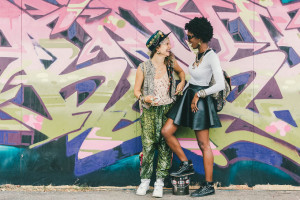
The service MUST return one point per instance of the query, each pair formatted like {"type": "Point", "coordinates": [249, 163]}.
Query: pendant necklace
{"type": "Point", "coordinates": [199, 60]}
{"type": "Point", "coordinates": [158, 71]}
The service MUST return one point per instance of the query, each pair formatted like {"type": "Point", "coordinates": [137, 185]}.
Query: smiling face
{"type": "Point", "coordinates": [194, 42]}
{"type": "Point", "coordinates": [165, 47]}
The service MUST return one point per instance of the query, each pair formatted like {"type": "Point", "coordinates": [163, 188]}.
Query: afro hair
{"type": "Point", "coordinates": [201, 28]}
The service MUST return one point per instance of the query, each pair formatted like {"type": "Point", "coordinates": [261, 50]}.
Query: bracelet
{"type": "Point", "coordinates": [201, 94]}
{"type": "Point", "coordinates": [141, 98]}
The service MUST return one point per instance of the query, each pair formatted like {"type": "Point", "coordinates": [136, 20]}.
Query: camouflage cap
{"type": "Point", "coordinates": [155, 39]}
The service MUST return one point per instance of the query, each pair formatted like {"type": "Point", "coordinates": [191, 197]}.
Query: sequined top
{"type": "Point", "coordinates": [161, 90]}
{"type": "Point", "coordinates": [148, 84]}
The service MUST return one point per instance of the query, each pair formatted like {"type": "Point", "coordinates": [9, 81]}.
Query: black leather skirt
{"type": "Point", "coordinates": [206, 117]}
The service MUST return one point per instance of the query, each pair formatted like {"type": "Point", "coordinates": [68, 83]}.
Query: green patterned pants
{"type": "Point", "coordinates": [152, 121]}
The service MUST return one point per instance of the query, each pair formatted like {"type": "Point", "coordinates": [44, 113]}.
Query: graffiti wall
{"type": "Point", "coordinates": [67, 70]}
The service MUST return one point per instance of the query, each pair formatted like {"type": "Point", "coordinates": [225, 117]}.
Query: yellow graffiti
{"type": "Point", "coordinates": [120, 23]}
{"type": "Point", "coordinates": [109, 119]}
{"type": "Point", "coordinates": [9, 94]}
{"type": "Point", "coordinates": [60, 44]}
{"type": "Point", "coordinates": [179, 3]}
{"type": "Point", "coordinates": [266, 3]}
{"type": "Point", "coordinates": [79, 5]}
{"type": "Point", "coordinates": [66, 115]}
{"type": "Point", "coordinates": [247, 15]}
{"type": "Point", "coordinates": [78, 8]}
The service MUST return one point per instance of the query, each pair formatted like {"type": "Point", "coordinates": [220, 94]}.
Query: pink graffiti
{"type": "Point", "coordinates": [89, 26]}
{"type": "Point", "coordinates": [92, 135]}
{"type": "Point", "coordinates": [34, 121]}
{"type": "Point", "coordinates": [280, 126]}
{"type": "Point", "coordinates": [100, 145]}
{"type": "Point", "coordinates": [82, 154]}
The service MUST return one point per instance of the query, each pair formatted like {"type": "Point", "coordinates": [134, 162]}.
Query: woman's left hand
{"type": "Point", "coordinates": [194, 103]}
{"type": "Point", "coordinates": [180, 87]}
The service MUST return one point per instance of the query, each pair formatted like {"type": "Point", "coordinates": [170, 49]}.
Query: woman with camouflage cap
{"type": "Point", "coordinates": [155, 87]}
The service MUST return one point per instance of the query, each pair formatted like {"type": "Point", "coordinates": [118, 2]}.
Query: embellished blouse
{"type": "Point", "coordinates": [148, 84]}
{"type": "Point", "coordinates": [201, 74]}
{"type": "Point", "coordinates": [161, 90]}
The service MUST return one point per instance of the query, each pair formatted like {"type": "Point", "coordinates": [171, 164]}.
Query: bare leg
{"type": "Point", "coordinates": [168, 132]}
{"type": "Point", "coordinates": [208, 157]}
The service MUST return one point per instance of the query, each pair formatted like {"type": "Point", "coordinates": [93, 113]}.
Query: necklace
{"type": "Point", "coordinates": [158, 70]}
{"type": "Point", "coordinates": [199, 60]}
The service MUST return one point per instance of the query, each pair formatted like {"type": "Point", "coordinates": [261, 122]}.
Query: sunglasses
{"type": "Point", "coordinates": [189, 37]}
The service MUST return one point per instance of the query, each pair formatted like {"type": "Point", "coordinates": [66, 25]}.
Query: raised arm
{"type": "Point", "coordinates": [181, 75]}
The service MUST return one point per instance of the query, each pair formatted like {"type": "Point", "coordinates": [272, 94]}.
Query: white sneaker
{"type": "Point", "coordinates": [143, 187]}
{"type": "Point", "coordinates": [158, 188]}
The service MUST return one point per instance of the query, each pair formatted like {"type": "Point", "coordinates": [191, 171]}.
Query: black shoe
{"type": "Point", "coordinates": [186, 168]}
{"type": "Point", "coordinates": [204, 190]}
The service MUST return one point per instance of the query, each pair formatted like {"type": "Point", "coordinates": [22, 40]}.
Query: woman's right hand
{"type": "Point", "coordinates": [150, 99]}
{"type": "Point", "coordinates": [194, 103]}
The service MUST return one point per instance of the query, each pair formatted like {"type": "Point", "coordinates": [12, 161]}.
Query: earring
{"type": "Point", "coordinates": [158, 52]}
{"type": "Point", "coordinates": [199, 44]}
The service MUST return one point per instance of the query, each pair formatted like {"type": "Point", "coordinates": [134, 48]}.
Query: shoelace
{"type": "Point", "coordinates": [203, 188]}
{"type": "Point", "coordinates": [182, 167]}
{"type": "Point", "coordinates": [207, 188]}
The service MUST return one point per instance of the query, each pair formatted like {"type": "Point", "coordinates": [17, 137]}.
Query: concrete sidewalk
{"type": "Point", "coordinates": [129, 194]}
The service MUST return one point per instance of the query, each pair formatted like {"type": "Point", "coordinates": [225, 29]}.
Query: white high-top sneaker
{"type": "Point", "coordinates": [143, 187]}
{"type": "Point", "coordinates": [158, 188]}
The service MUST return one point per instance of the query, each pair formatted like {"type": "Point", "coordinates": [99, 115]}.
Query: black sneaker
{"type": "Point", "coordinates": [186, 168]}
{"type": "Point", "coordinates": [204, 190]}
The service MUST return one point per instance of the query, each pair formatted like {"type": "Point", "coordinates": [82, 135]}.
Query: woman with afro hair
{"type": "Point", "coordinates": [196, 108]}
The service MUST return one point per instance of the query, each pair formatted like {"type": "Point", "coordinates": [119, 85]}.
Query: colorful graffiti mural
{"type": "Point", "coordinates": [67, 69]}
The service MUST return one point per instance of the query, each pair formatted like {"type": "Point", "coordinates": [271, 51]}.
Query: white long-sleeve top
{"type": "Point", "coordinates": [202, 74]}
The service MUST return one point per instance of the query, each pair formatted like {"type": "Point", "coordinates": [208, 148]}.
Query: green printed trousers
{"type": "Point", "coordinates": [152, 121]}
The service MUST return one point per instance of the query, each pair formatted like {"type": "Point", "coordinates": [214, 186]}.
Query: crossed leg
{"type": "Point", "coordinates": [168, 132]}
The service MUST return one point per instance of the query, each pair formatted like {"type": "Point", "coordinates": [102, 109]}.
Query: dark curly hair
{"type": "Point", "coordinates": [201, 28]}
